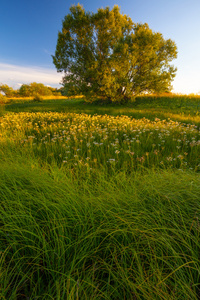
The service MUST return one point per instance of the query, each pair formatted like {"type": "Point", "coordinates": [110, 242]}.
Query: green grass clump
{"type": "Point", "coordinates": [124, 238]}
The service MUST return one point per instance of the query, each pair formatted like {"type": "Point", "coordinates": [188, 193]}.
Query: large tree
{"type": "Point", "coordinates": [106, 55]}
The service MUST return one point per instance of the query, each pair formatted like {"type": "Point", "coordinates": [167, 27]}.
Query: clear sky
{"type": "Point", "coordinates": [29, 30]}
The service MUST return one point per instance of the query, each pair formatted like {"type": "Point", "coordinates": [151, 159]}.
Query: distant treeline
{"type": "Point", "coordinates": [30, 90]}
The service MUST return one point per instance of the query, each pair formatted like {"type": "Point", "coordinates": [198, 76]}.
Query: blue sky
{"type": "Point", "coordinates": [29, 31]}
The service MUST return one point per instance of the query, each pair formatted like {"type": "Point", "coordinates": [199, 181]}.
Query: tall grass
{"type": "Point", "coordinates": [98, 206]}
{"type": "Point", "coordinates": [124, 238]}
{"type": "Point", "coordinates": [88, 142]}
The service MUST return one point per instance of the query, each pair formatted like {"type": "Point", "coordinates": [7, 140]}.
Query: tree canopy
{"type": "Point", "coordinates": [29, 90]}
{"type": "Point", "coordinates": [33, 89]}
{"type": "Point", "coordinates": [7, 90]}
{"type": "Point", "coordinates": [105, 54]}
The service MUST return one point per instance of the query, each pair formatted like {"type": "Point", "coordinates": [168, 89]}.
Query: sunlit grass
{"type": "Point", "coordinates": [113, 143]}
{"type": "Point", "coordinates": [51, 97]}
{"type": "Point", "coordinates": [181, 108]}
{"type": "Point", "coordinates": [99, 202]}
{"type": "Point", "coordinates": [119, 238]}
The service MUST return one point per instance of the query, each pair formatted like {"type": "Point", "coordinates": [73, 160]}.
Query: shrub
{"type": "Point", "coordinates": [37, 98]}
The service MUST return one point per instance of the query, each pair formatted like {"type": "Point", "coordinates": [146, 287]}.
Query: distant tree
{"type": "Point", "coordinates": [33, 89]}
{"type": "Point", "coordinates": [106, 55]}
{"type": "Point", "coordinates": [2, 100]}
{"type": "Point", "coordinates": [8, 91]}
{"type": "Point", "coordinates": [25, 91]}
{"type": "Point", "coordinates": [55, 91]}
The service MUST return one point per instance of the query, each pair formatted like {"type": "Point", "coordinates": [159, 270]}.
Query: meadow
{"type": "Point", "coordinates": [100, 201]}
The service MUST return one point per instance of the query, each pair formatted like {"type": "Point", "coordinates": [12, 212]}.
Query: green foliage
{"type": "Point", "coordinates": [106, 55]}
{"type": "Point", "coordinates": [8, 91]}
{"type": "Point", "coordinates": [33, 89]}
{"type": "Point", "coordinates": [55, 91]}
{"type": "Point", "coordinates": [2, 102]}
{"type": "Point", "coordinates": [28, 90]}
{"type": "Point", "coordinates": [2, 98]}
{"type": "Point", "coordinates": [37, 98]}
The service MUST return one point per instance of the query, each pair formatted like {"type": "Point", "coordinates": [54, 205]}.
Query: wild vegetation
{"type": "Point", "coordinates": [33, 90]}
{"type": "Point", "coordinates": [105, 54]}
{"type": "Point", "coordinates": [100, 201]}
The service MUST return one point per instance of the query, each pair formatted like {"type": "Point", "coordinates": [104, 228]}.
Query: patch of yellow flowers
{"type": "Point", "coordinates": [93, 141]}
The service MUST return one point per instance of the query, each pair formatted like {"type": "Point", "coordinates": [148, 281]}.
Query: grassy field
{"type": "Point", "coordinates": [100, 201]}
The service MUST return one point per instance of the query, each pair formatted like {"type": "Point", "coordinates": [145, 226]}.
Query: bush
{"type": "Point", "coordinates": [37, 98]}
{"type": "Point", "coordinates": [3, 99]}
{"type": "Point", "coordinates": [34, 88]}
